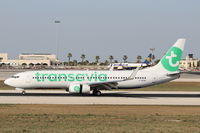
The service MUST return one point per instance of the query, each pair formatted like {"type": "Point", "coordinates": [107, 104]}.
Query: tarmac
{"type": "Point", "coordinates": [107, 98]}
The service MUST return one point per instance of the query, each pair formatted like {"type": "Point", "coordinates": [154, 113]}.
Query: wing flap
{"type": "Point", "coordinates": [113, 84]}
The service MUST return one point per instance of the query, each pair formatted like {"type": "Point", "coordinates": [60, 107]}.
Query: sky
{"type": "Point", "coordinates": [98, 27]}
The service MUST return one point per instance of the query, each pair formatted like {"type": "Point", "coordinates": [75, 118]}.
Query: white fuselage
{"type": "Point", "coordinates": [63, 78]}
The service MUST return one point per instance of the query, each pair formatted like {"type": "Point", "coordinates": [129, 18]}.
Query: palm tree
{"type": "Point", "coordinates": [106, 62]}
{"type": "Point", "coordinates": [83, 57]}
{"type": "Point", "coordinates": [75, 62]}
{"type": "Point", "coordinates": [97, 58]}
{"type": "Point", "coordinates": [69, 55]}
{"type": "Point", "coordinates": [86, 62]}
{"type": "Point", "coordinates": [139, 58]}
{"type": "Point", "coordinates": [111, 58]}
{"type": "Point", "coordinates": [125, 57]}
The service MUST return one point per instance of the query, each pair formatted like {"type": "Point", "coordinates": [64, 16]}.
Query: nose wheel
{"type": "Point", "coordinates": [23, 92]}
{"type": "Point", "coordinates": [96, 93]}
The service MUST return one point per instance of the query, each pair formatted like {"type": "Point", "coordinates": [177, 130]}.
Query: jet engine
{"type": "Point", "coordinates": [79, 88]}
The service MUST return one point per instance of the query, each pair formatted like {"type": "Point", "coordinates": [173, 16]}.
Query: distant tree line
{"type": "Point", "coordinates": [96, 61]}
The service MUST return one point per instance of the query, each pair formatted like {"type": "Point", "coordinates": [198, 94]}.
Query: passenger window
{"type": "Point", "coordinates": [15, 77]}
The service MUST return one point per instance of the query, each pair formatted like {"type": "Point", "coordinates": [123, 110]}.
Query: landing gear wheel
{"type": "Point", "coordinates": [96, 93]}
{"type": "Point", "coordinates": [23, 92]}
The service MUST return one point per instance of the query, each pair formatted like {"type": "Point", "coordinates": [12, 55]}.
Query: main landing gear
{"type": "Point", "coordinates": [96, 92]}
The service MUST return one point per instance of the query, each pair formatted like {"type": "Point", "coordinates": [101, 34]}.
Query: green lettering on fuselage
{"type": "Point", "coordinates": [38, 76]}
{"type": "Point", "coordinates": [80, 77]}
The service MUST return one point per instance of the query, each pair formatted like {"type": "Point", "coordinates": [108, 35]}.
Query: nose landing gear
{"type": "Point", "coordinates": [22, 90]}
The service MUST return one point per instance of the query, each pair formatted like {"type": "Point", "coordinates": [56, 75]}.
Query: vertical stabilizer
{"type": "Point", "coordinates": [171, 61]}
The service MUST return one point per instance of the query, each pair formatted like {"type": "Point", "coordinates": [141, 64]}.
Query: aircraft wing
{"type": "Point", "coordinates": [107, 86]}
{"type": "Point", "coordinates": [133, 74]}
{"type": "Point", "coordinates": [113, 84]}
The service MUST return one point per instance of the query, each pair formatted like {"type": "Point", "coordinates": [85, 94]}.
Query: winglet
{"type": "Point", "coordinates": [133, 74]}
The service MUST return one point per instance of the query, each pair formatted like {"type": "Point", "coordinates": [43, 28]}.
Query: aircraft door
{"type": "Point", "coordinates": [28, 79]}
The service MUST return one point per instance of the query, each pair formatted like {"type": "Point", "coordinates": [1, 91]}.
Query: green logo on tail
{"type": "Point", "coordinates": [172, 59]}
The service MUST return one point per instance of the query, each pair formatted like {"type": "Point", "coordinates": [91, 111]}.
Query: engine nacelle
{"type": "Point", "coordinates": [79, 88]}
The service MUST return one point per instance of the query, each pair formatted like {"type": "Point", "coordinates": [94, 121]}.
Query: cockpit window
{"type": "Point", "coordinates": [15, 77]}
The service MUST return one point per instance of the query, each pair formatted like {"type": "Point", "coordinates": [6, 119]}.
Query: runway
{"type": "Point", "coordinates": [107, 98]}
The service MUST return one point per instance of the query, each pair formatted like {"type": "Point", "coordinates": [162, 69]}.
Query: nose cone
{"type": "Point", "coordinates": [8, 82]}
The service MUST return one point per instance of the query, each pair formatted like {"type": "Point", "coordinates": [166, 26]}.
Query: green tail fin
{"type": "Point", "coordinates": [171, 60]}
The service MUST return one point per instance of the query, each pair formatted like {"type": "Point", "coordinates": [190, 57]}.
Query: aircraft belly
{"type": "Point", "coordinates": [131, 84]}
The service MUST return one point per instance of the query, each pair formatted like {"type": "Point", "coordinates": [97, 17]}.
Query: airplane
{"type": "Point", "coordinates": [130, 66]}
{"type": "Point", "coordinates": [148, 60]}
{"type": "Point", "coordinates": [85, 81]}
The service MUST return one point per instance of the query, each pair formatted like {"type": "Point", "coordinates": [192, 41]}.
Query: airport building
{"type": "Point", "coordinates": [189, 63]}
{"type": "Point", "coordinates": [29, 59]}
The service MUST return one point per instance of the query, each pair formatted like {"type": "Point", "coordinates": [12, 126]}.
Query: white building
{"type": "Point", "coordinates": [189, 63]}
{"type": "Point", "coordinates": [29, 59]}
